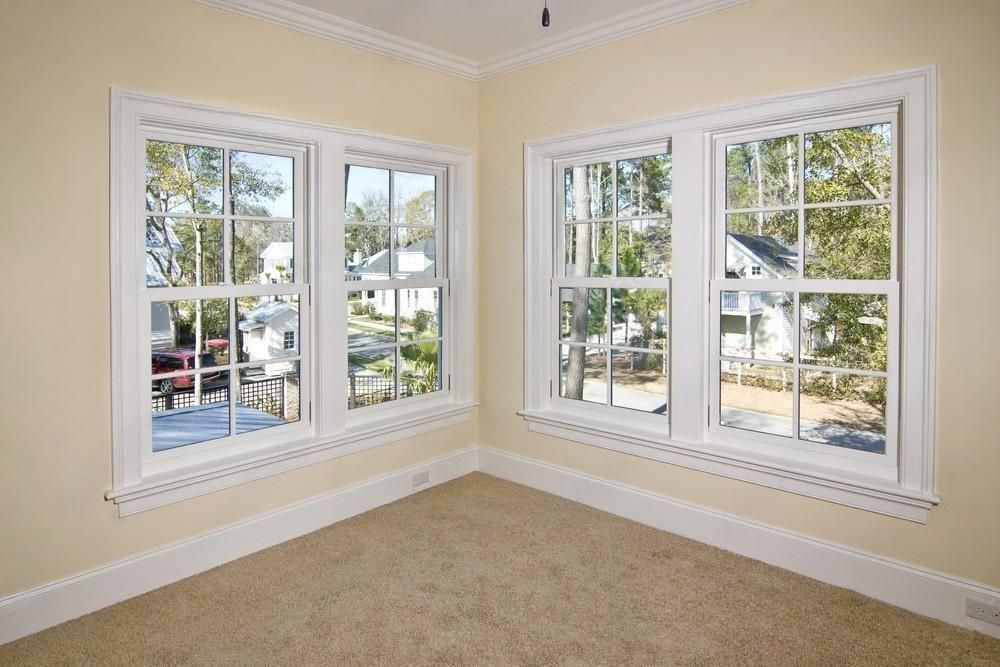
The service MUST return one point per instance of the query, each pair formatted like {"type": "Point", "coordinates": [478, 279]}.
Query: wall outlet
{"type": "Point", "coordinates": [421, 478]}
{"type": "Point", "coordinates": [987, 612]}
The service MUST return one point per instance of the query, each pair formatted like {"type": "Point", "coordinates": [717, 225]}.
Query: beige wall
{"type": "Point", "coordinates": [762, 48]}
{"type": "Point", "coordinates": [58, 59]}
{"type": "Point", "coordinates": [57, 62]}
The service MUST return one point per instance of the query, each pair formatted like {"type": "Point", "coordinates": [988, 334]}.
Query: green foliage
{"type": "Point", "coordinates": [422, 320]}
{"type": "Point", "coordinates": [421, 372]}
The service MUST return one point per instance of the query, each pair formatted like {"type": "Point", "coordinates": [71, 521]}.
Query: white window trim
{"type": "Point", "coordinates": [690, 444]}
{"type": "Point", "coordinates": [136, 485]}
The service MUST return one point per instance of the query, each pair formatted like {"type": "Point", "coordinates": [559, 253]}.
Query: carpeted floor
{"type": "Point", "coordinates": [482, 571]}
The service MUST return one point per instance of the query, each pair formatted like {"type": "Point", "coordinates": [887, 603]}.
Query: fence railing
{"type": "Point", "coordinates": [742, 302]}
{"type": "Point", "coordinates": [265, 395]}
{"type": "Point", "coordinates": [365, 390]}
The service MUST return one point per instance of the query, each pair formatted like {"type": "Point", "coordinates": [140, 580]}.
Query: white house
{"type": "Point", "coordinates": [271, 331]}
{"type": "Point", "coordinates": [276, 263]}
{"type": "Point", "coordinates": [158, 261]}
{"type": "Point", "coordinates": [757, 324]}
{"type": "Point", "coordinates": [413, 261]}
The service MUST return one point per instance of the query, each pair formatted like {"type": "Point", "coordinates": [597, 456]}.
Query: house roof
{"type": "Point", "coordinates": [770, 251]}
{"type": "Point", "coordinates": [277, 250]}
{"type": "Point", "coordinates": [379, 262]}
{"type": "Point", "coordinates": [264, 313]}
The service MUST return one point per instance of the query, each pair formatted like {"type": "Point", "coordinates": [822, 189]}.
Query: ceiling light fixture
{"type": "Point", "coordinates": [545, 15]}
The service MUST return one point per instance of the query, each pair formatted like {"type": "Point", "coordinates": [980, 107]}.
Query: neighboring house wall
{"type": "Point", "coordinates": [266, 341]}
{"type": "Point", "coordinates": [160, 334]}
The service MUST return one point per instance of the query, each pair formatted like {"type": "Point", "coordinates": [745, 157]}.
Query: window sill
{"type": "Point", "coordinates": [182, 484]}
{"type": "Point", "coordinates": [870, 496]}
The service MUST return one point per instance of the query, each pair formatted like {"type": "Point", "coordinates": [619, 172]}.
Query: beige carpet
{"type": "Point", "coordinates": [482, 571]}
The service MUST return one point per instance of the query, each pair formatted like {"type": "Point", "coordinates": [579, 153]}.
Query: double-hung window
{"type": "Point", "coordinates": [248, 301]}
{"type": "Point", "coordinates": [393, 248]}
{"type": "Point", "coordinates": [765, 271]}
{"type": "Point", "coordinates": [806, 351]}
{"type": "Point", "coordinates": [217, 325]}
{"type": "Point", "coordinates": [612, 296]}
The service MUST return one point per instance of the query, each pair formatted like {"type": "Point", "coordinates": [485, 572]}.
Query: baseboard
{"type": "Point", "coordinates": [34, 610]}
{"type": "Point", "coordinates": [922, 591]}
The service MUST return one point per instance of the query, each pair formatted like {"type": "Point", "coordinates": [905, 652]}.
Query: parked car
{"type": "Point", "coordinates": [170, 361]}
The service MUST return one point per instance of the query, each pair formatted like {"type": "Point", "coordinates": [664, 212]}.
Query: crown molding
{"type": "Point", "coordinates": [643, 19]}
{"type": "Point", "coordinates": [321, 24]}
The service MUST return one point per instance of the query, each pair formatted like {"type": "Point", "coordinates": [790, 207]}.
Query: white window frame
{"type": "Point", "coordinates": [609, 282]}
{"type": "Point", "coordinates": [288, 340]}
{"type": "Point", "coordinates": [140, 481]}
{"type": "Point", "coordinates": [906, 488]}
{"type": "Point", "coordinates": [397, 287]}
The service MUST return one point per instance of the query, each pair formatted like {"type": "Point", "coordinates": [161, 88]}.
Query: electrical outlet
{"type": "Point", "coordinates": [986, 612]}
{"type": "Point", "coordinates": [421, 478]}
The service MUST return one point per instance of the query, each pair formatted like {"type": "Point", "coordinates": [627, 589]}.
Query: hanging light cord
{"type": "Point", "coordinates": [545, 15]}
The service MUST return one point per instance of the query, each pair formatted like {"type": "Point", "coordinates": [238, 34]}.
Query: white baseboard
{"type": "Point", "coordinates": [39, 608]}
{"type": "Point", "coordinates": [922, 591]}
{"type": "Point", "coordinates": [932, 594]}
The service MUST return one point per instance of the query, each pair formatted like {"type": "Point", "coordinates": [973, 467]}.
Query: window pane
{"type": "Point", "coordinates": [644, 248]}
{"type": "Point", "coordinates": [756, 397]}
{"type": "Point", "coordinates": [583, 314]}
{"type": "Point", "coordinates": [420, 368]}
{"type": "Point", "coordinates": [852, 164]}
{"type": "Point", "coordinates": [181, 178]}
{"type": "Point", "coordinates": [844, 330]}
{"type": "Point", "coordinates": [416, 253]}
{"type": "Point", "coordinates": [588, 191]}
{"type": "Point", "coordinates": [767, 241]}
{"type": "Point", "coordinates": [849, 242]}
{"type": "Point", "coordinates": [371, 377]}
{"type": "Point", "coordinates": [419, 313]}
{"type": "Point", "coordinates": [262, 185]}
{"type": "Point", "coordinates": [413, 198]}
{"type": "Point", "coordinates": [263, 252]}
{"type": "Point", "coordinates": [269, 396]}
{"type": "Point", "coordinates": [639, 381]}
{"type": "Point", "coordinates": [588, 249]}
{"type": "Point", "coordinates": [366, 252]}
{"type": "Point", "coordinates": [757, 325]}
{"type": "Point", "coordinates": [181, 252]}
{"type": "Point", "coordinates": [843, 410]}
{"type": "Point", "coordinates": [367, 195]}
{"type": "Point", "coordinates": [371, 318]}
{"type": "Point", "coordinates": [261, 326]}
{"type": "Point", "coordinates": [639, 318]}
{"type": "Point", "coordinates": [644, 185]}
{"type": "Point", "coordinates": [763, 173]}
{"type": "Point", "coordinates": [195, 410]}
{"type": "Point", "coordinates": [583, 373]}
{"type": "Point", "coordinates": [178, 328]}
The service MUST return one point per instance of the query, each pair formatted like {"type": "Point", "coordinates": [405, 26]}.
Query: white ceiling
{"type": "Point", "coordinates": [475, 39]}
{"type": "Point", "coordinates": [475, 29]}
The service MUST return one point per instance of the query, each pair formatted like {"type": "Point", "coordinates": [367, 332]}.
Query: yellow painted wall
{"type": "Point", "coordinates": [58, 59]}
{"type": "Point", "coordinates": [57, 62]}
{"type": "Point", "coordinates": [769, 47]}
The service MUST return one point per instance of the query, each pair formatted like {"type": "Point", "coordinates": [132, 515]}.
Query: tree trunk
{"type": "Point", "coordinates": [581, 268]}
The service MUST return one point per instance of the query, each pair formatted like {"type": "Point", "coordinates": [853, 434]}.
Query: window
{"type": "Point", "coordinates": [392, 238]}
{"type": "Point", "coordinates": [808, 358]}
{"type": "Point", "coordinates": [613, 296]}
{"type": "Point", "coordinates": [213, 210]}
{"type": "Point", "coordinates": [222, 309]}
{"type": "Point", "coordinates": [790, 258]}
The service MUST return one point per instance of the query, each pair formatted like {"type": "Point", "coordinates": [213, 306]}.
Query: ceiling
{"type": "Point", "coordinates": [473, 38]}
{"type": "Point", "coordinates": [475, 29]}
